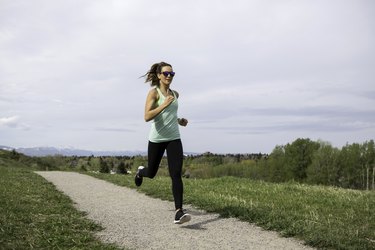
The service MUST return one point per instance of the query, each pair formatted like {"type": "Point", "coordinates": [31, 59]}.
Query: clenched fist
{"type": "Point", "coordinates": [182, 122]}
{"type": "Point", "coordinates": [168, 100]}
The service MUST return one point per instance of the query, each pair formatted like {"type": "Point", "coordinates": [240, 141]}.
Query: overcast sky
{"type": "Point", "coordinates": [251, 74]}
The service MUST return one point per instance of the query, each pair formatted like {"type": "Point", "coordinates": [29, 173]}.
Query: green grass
{"type": "Point", "coordinates": [34, 215]}
{"type": "Point", "coordinates": [324, 217]}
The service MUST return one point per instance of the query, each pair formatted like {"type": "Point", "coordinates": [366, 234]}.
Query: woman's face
{"type": "Point", "coordinates": [166, 75]}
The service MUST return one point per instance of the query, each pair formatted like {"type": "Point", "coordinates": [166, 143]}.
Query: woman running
{"type": "Point", "coordinates": [161, 108]}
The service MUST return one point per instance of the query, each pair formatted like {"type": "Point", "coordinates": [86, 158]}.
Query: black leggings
{"type": "Point", "coordinates": [175, 160]}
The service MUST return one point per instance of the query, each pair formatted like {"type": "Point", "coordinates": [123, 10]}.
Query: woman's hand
{"type": "Point", "coordinates": [182, 121]}
{"type": "Point", "coordinates": [168, 100]}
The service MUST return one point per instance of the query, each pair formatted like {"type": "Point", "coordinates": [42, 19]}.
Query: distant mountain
{"type": "Point", "coordinates": [6, 148]}
{"type": "Point", "coordinates": [51, 151]}
{"type": "Point", "coordinates": [45, 151]}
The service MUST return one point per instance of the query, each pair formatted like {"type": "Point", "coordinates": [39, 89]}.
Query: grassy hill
{"type": "Point", "coordinates": [33, 214]}
{"type": "Point", "coordinates": [324, 217]}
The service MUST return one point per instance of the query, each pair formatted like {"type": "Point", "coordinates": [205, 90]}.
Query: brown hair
{"type": "Point", "coordinates": [152, 74]}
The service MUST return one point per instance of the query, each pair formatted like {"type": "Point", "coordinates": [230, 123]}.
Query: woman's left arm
{"type": "Point", "coordinates": [182, 121]}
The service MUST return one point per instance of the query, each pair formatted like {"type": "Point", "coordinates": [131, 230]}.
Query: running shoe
{"type": "Point", "coordinates": [181, 217]}
{"type": "Point", "coordinates": [138, 179]}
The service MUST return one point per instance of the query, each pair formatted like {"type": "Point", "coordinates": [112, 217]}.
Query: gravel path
{"type": "Point", "coordinates": [135, 221]}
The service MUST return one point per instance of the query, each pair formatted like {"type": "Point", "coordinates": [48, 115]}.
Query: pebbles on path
{"type": "Point", "coordinates": [135, 221]}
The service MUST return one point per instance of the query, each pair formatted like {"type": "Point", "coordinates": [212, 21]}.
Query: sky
{"type": "Point", "coordinates": [251, 74]}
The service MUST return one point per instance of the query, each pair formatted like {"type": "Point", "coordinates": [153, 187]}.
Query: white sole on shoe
{"type": "Point", "coordinates": [185, 218]}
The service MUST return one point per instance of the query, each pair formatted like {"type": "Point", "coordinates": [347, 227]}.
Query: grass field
{"type": "Point", "coordinates": [324, 217]}
{"type": "Point", "coordinates": [33, 215]}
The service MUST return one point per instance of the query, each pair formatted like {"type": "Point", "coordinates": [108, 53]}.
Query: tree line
{"type": "Point", "coordinates": [318, 162]}
{"type": "Point", "coordinates": [303, 160]}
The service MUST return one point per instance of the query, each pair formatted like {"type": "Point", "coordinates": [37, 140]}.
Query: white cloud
{"type": "Point", "coordinates": [11, 121]}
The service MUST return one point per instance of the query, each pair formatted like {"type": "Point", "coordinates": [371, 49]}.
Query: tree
{"type": "Point", "coordinates": [299, 156]}
{"type": "Point", "coordinates": [15, 155]}
{"type": "Point", "coordinates": [121, 169]}
{"type": "Point", "coordinates": [103, 166]}
{"type": "Point", "coordinates": [276, 165]}
{"type": "Point", "coordinates": [350, 166]}
{"type": "Point", "coordinates": [323, 168]}
{"type": "Point", "coordinates": [368, 154]}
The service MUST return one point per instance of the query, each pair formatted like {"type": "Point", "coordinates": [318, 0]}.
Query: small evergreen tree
{"type": "Point", "coordinates": [103, 166]}
{"type": "Point", "coordinates": [121, 169]}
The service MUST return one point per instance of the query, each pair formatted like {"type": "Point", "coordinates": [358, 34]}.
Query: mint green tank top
{"type": "Point", "coordinates": [164, 126]}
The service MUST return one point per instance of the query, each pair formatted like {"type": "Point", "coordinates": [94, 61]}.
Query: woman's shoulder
{"type": "Point", "coordinates": [153, 93]}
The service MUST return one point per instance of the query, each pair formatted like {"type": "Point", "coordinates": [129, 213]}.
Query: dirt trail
{"type": "Point", "coordinates": [135, 221]}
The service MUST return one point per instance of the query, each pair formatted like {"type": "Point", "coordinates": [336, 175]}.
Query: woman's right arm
{"type": "Point", "coordinates": [151, 108]}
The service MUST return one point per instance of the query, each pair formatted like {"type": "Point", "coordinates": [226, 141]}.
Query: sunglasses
{"type": "Point", "coordinates": [167, 73]}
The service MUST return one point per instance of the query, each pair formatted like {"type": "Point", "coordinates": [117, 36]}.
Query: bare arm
{"type": "Point", "coordinates": [181, 121]}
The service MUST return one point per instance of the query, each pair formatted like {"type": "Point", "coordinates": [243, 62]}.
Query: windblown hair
{"type": "Point", "coordinates": [152, 74]}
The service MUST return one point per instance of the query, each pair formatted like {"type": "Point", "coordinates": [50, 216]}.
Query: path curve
{"type": "Point", "coordinates": [135, 221]}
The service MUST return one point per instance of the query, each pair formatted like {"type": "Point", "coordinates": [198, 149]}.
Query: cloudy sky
{"type": "Point", "coordinates": [251, 74]}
